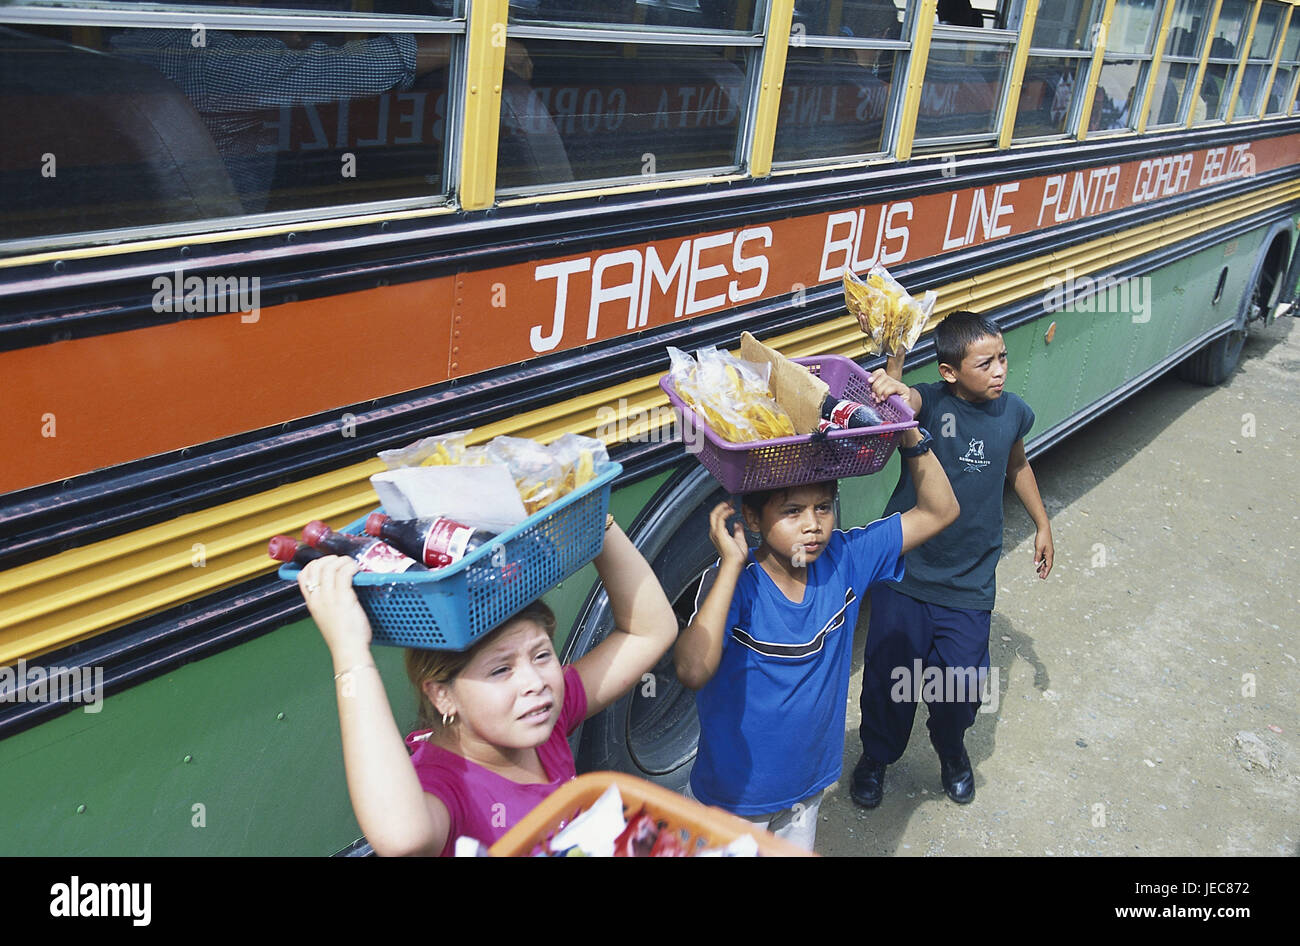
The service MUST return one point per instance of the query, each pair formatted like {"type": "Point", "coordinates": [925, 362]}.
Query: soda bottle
{"type": "Point", "coordinates": [372, 554]}
{"type": "Point", "coordinates": [437, 542]}
{"type": "Point", "coordinates": [284, 548]}
{"type": "Point", "coordinates": [838, 415]}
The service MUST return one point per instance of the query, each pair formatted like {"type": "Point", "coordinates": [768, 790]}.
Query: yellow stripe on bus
{"type": "Point", "coordinates": [775, 46]}
{"type": "Point", "coordinates": [77, 594]}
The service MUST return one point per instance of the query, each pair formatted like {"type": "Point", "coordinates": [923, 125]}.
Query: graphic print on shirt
{"type": "Point", "coordinates": [974, 461]}
{"type": "Point", "coordinates": [795, 651]}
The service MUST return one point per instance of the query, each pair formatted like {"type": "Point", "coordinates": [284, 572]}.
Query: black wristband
{"type": "Point", "coordinates": [910, 453]}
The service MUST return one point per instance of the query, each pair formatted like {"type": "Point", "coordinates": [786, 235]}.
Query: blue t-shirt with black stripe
{"type": "Point", "coordinates": [772, 717]}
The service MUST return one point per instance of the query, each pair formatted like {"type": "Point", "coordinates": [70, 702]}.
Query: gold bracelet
{"type": "Point", "coordinates": [343, 673]}
{"type": "Point", "coordinates": [609, 520]}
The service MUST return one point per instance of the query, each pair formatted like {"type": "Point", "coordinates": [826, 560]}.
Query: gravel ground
{"type": "Point", "coordinates": [1147, 690]}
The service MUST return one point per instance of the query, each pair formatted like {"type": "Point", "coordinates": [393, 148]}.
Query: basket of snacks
{"type": "Point", "coordinates": [613, 814]}
{"type": "Point", "coordinates": [429, 579]}
{"type": "Point", "coordinates": [792, 459]}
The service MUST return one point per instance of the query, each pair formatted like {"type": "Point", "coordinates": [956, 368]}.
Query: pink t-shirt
{"type": "Point", "coordinates": [483, 804]}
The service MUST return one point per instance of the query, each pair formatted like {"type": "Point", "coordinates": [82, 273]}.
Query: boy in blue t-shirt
{"type": "Point", "coordinates": [770, 644]}
{"type": "Point", "coordinates": [935, 619]}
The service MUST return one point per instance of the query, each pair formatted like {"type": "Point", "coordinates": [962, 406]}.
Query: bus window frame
{"type": "Point", "coordinates": [337, 214]}
{"type": "Point", "coordinates": [1261, 91]}
{"type": "Point", "coordinates": [1287, 98]}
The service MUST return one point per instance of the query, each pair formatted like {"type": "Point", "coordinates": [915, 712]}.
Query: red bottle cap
{"type": "Point", "coordinates": [282, 548]}
{"type": "Point", "coordinates": [314, 531]}
{"type": "Point", "coordinates": [375, 523]}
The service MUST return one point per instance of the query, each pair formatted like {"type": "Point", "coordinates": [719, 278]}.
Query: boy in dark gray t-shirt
{"type": "Point", "coordinates": [928, 636]}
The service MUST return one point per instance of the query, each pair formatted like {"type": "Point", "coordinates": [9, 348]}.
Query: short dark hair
{"type": "Point", "coordinates": [756, 501]}
{"type": "Point", "coordinates": [958, 331]}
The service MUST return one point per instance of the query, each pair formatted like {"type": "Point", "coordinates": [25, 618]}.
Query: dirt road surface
{"type": "Point", "coordinates": [1148, 689]}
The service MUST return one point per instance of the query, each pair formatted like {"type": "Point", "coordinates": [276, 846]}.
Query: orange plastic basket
{"type": "Point", "coordinates": [699, 827]}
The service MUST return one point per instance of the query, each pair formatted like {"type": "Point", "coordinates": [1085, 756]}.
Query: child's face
{"type": "Point", "coordinates": [510, 694]}
{"type": "Point", "coordinates": [982, 373]}
{"type": "Point", "coordinates": [796, 525]}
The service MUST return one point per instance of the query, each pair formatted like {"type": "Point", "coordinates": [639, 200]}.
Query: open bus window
{"type": "Point", "coordinates": [609, 111]}
{"type": "Point", "coordinates": [1056, 70]}
{"type": "Point", "coordinates": [1258, 61]}
{"type": "Point", "coordinates": [710, 15]}
{"type": "Point", "coordinates": [839, 89]}
{"type": "Point", "coordinates": [295, 120]}
{"type": "Point", "coordinates": [1283, 91]}
{"type": "Point", "coordinates": [1176, 77]}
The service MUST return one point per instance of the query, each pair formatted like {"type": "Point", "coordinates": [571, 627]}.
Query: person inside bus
{"type": "Point", "coordinates": [958, 13]}
{"type": "Point", "coordinates": [494, 719]}
{"type": "Point", "coordinates": [938, 614]}
{"type": "Point", "coordinates": [770, 645]}
{"type": "Point", "coordinates": [233, 78]}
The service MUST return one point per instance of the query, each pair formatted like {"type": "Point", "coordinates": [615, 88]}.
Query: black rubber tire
{"type": "Point", "coordinates": [1213, 363]}
{"type": "Point", "coordinates": [653, 731]}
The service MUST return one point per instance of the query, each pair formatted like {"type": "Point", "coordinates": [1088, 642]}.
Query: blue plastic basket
{"type": "Point", "coordinates": [450, 608]}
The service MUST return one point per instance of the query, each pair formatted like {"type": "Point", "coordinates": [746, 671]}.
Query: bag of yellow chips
{"type": "Point", "coordinates": [537, 476]}
{"type": "Point", "coordinates": [730, 394]}
{"type": "Point", "coordinates": [579, 458]}
{"type": "Point", "coordinates": [439, 450]}
{"type": "Point", "coordinates": [890, 318]}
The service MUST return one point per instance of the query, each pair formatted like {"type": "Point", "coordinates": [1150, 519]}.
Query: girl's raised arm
{"type": "Point", "coordinates": [645, 625]}
{"type": "Point", "coordinates": [396, 815]}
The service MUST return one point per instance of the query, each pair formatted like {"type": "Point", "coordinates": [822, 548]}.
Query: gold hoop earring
{"type": "Point", "coordinates": [448, 720]}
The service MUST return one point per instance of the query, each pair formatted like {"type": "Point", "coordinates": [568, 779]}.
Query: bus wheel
{"type": "Point", "coordinates": [1212, 364]}
{"type": "Point", "coordinates": [653, 731]}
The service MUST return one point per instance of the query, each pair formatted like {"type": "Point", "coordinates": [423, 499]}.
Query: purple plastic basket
{"type": "Point", "coordinates": [794, 461]}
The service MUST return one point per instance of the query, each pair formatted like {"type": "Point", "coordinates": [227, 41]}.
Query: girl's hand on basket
{"type": "Point", "coordinates": [326, 586]}
{"type": "Point", "coordinates": [732, 547]}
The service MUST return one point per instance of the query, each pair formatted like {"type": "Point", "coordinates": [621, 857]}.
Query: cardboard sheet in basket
{"type": "Point", "coordinates": [800, 387]}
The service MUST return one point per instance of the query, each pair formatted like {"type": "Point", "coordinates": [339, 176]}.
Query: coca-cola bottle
{"type": "Point", "coordinates": [285, 548]}
{"type": "Point", "coordinates": [838, 415]}
{"type": "Point", "coordinates": [437, 542]}
{"type": "Point", "coordinates": [372, 554]}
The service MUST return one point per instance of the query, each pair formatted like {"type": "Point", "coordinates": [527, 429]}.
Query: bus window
{"type": "Point", "coordinates": [1283, 92]}
{"type": "Point", "coordinates": [964, 78]}
{"type": "Point", "coordinates": [1060, 51]}
{"type": "Point", "coordinates": [1176, 77]}
{"type": "Point", "coordinates": [624, 104]}
{"type": "Point", "coordinates": [1225, 50]}
{"type": "Point", "coordinates": [711, 15]}
{"type": "Point", "coordinates": [1258, 61]}
{"type": "Point", "coordinates": [839, 92]}
{"type": "Point", "coordinates": [1130, 44]}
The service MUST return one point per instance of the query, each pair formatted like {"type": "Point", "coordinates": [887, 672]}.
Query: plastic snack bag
{"type": "Point", "coordinates": [891, 319]}
{"type": "Point", "coordinates": [537, 476]}
{"type": "Point", "coordinates": [441, 449]}
{"type": "Point", "coordinates": [579, 458]}
{"type": "Point", "coordinates": [732, 395]}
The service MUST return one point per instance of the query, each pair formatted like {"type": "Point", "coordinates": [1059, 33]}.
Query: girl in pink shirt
{"type": "Point", "coordinates": [496, 716]}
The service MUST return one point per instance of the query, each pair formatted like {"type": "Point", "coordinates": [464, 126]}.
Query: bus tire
{"type": "Point", "coordinates": [1212, 364]}
{"type": "Point", "coordinates": [653, 731]}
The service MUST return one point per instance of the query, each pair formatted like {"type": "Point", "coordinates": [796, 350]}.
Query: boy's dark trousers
{"type": "Point", "coordinates": [903, 630]}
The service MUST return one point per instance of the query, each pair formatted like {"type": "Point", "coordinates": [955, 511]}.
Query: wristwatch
{"type": "Point", "coordinates": [922, 447]}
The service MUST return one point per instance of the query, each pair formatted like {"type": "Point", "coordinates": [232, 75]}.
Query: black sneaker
{"type": "Point", "coordinates": [868, 784]}
{"type": "Point", "coordinates": [958, 779]}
